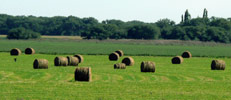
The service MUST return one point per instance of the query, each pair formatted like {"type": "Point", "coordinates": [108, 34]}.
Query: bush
{"type": "Point", "coordinates": [22, 33]}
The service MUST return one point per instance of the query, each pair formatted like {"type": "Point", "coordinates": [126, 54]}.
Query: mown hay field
{"type": "Point", "coordinates": [191, 80]}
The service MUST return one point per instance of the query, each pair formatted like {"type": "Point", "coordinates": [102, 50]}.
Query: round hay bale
{"type": "Point", "coordinates": [129, 61]}
{"type": "Point", "coordinates": [148, 66]}
{"type": "Point", "coordinates": [120, 52]}
{"type": "Point", "coordinates": [114, 56]}
{"type": "Point", "coordinates": [80, 57]}
{"type": "Point", "coordinates": [83, 74]}
{"type": "Point", "coordinates": [177, 60]}
{"type": "Point", "coordinates": [15, 52]}
{"type": "Point", "coordinates": [40, 64]}
{"type": "Point", "coordinates": [61, 61]}
{"type": "Point", "coordinates": [29, 51]}
{"type": "Point", "coordinates": [72, 61]}
{"type": "Point", "coordinates": [218, 65]}
{"type": "Point", "coordinates": [186, 54]}
{"type": "Point", "coordinates": [120, 66]}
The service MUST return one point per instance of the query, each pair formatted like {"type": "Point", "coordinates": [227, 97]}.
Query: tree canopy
{"type": "Point", "coordinates": [200, 28]}
{"type": "Point", "coordinates": [22, 33]}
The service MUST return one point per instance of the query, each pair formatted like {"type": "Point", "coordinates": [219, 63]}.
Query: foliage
{"type": "Point", "coordinates": [22, 33]}
{"type": "Point", "coordinates": [187, 17]}
{"type": "Point", "coordinates": [90, 28]}
{"type": "Point", "coordinates": [143, 32]}
{"type": "Point", "coordinates": [205, 13]}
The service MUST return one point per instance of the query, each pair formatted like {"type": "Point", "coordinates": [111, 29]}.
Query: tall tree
{"type": "Point", "coordinates": [182, 18]}
{"type": "Point", "coordinates": [187, 16]}
{"type": "Point", "coordinates": [205, 13]}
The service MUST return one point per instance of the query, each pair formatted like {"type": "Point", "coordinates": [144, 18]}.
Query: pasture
{"type": "Point", "coordinates": [191, 80]}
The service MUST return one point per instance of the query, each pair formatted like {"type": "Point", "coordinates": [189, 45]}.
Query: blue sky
{"type": "Point", "coordinates": [126, 10]}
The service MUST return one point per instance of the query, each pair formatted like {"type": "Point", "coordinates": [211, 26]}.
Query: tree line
{"type": "Point", "coordinates": [200, 28]}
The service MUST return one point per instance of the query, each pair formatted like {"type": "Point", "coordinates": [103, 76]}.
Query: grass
{"type": "Point", "coordinates": [192, 80]}
{"type": "Point", "coordinates": [52, 37]}
{"type": "Point", "coordinates": [88, 47]}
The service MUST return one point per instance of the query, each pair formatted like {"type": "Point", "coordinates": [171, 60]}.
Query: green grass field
{"type": "Point", "coordinates": [192, 80]}
{"type": "Point", "coordinates": [88, 47]}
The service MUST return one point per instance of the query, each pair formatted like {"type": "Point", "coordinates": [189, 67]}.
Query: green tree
{"type": "Point", "coordinates": [178, 33]}
{"type": "Point", "coordinates": [143, 32]}
{"type": "Point", "coordinates": [22, 33]}
{"type": "Point", "coordinates": [118, 23]}
{"type": "Point", "coordinates": [187, 16]}
{"type": "Point", "coordinates": [194, 32]}
{"type": "Point", "coordinates": [165, 23]}
{"type": "Point", "coordinates": [71, 26]}
{"type": "Point", "coordinates": [202, 22]}
{"type": "Point", "coordinates": [220, 22]}
{"type": "Point", "coordinates": [215, 34]}
{"type": "Point", "coordinates": [3, 26]}
{"type": "Point", "coordinates": [95, 32]}
{"type": "Point", "coordinates": [182, 18]}
{"type": "Point", "coordinates": [205, 13]}
{"type": "Point", "coordinates": [165, 26]}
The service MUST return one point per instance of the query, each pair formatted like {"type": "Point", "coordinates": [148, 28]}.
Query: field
{"type": "Point", "coordinates": [130, 47]}
{"type": "Point", "coordinates": [192, 80]}
{"type": "Point", "coordinates": [53, 37]}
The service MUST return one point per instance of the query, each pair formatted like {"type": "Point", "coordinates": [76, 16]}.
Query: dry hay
{"type": "Point", "coordinates": [147, 66]}
{"type": "Point", "coordinates": [177, 60]}
{"type": "Point", "coordinates": [40, 64]}
{"type": "Point", "coordinates": [120, 52]}
{"type": "Point", "coordinates": [120, 66]}
{"type": "Point", "coordinates": [129, 61]}
{"type": "Point", "coordinates": [83, 74]}
{"type": "Point", "coordinates": [218, 65]}
{"type": "Point", "coordinates": [186, 54]}
{"type": "Point", "coordinates": [114, 56]}
{"type": "Point", "coordinates": [15, 52]}
{"type": "Point", "coordinates": [72, 61]}
{"type": "Point", "coordinates": [29, 51]}
{"type": "Point", "coordinates": [61, 61]}
{"type": "Point", "coordinates": [80, 57]}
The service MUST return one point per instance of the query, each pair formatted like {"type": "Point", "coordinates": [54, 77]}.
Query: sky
{"type": "Point", "coordinates": [125, 10]}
